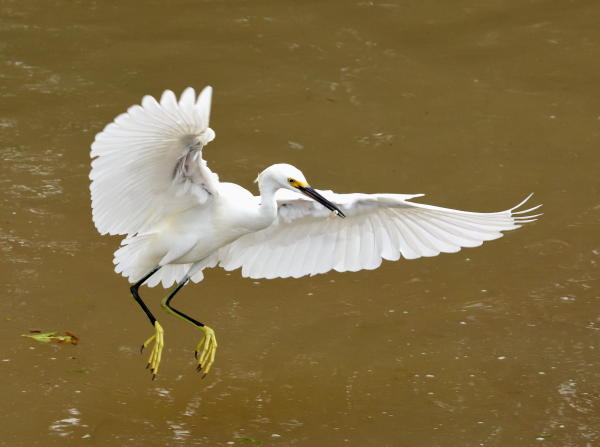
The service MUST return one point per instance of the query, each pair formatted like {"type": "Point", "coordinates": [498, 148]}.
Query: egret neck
{"type": "Point", "coordinates": [267, 209]}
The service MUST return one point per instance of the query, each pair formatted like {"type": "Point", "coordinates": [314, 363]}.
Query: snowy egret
{"type": "Point", "coordinates": [151, 184]}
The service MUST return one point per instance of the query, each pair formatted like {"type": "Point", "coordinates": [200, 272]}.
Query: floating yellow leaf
{"type": "Point", "coordinates": [52, 337]}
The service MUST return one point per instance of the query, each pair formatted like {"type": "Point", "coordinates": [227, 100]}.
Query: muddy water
{"type": "Point", "coordinates": [473, 103]}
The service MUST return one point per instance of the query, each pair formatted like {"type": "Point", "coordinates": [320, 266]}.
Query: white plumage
{"type": "Point", "coordinates": [305, 241]}
{"type": "Point", "coordinates": [151, 184]}
{"type": "Point", "coordinates": [132, 176]}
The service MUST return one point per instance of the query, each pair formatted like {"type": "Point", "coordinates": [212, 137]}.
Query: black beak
{"type": "Point", "coordinates": [307, 190]}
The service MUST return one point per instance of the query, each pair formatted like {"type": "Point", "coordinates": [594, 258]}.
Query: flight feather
{"type": "Point", "coordinates": [148, 163]}
{"type": "Point", "coordinates": [306, 239]}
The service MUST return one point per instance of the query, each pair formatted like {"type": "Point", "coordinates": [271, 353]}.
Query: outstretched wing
{"type": "Point", "coordinates": [306, 239]}
{"type": "Point", "coordinates": [149, 163]}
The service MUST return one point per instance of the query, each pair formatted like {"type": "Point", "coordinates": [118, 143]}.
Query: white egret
{"type": "Point", "coordinates": [151, 183]}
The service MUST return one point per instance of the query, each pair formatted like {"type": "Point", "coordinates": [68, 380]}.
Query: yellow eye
{"type": "Point", "coordinates": [291, 181]}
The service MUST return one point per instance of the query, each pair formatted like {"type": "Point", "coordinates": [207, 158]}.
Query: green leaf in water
{"type": "Point", "coordinates": [52, 337]}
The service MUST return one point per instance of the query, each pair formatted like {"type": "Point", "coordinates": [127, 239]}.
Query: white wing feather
{"type": "Point", "coordinates": [149, 163]}
{"type": "Point", "coordinates": [306, 239]}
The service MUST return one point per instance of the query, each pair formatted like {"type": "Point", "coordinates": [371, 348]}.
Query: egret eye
{"type": "Point", "coordinates": [291, 181]}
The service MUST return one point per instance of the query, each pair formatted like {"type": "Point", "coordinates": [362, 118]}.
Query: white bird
{"type": "Point", "coordinates": [151, 183]}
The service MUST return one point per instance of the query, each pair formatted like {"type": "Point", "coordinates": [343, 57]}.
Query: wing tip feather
{"type": "Point", "coordinates": [521, 216]}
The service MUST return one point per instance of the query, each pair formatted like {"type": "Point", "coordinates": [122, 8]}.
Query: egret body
{"type": "Point", "coordinates": [151, 184]}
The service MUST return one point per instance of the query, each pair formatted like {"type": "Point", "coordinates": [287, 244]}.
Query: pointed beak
{"type": "Point", "coordinates": [310, 192]}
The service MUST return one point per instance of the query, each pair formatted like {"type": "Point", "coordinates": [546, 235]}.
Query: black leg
{"type": "Point", "coordinates": [167, 300]}
{"type": "Point", "coordinates": [134, 291]}
{"type": "Point", "coordinates": [206, 348]}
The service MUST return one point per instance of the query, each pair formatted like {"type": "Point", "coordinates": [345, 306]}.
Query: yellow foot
{"type": "Point", "coordinates": [206, 349]}
{"type": "Point", "coordinates": [156, 354]}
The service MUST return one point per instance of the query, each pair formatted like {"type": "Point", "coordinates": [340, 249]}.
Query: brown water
{"type": "Point", "coordinates": [474, 103]}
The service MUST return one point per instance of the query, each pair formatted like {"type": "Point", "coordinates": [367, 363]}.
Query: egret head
{"type": "Point", "coordinates": [283, 175]}
{"type": "Point", "coordinates": [286, 176]}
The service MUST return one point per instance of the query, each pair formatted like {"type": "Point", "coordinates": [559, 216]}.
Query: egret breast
{"type": "Point", "coordinates": [224, 219]}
